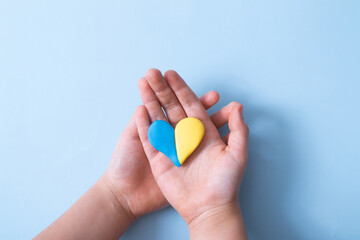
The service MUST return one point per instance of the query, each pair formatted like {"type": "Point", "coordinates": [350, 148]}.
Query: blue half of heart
{"type": "Point", "coordinates": [162, 136]}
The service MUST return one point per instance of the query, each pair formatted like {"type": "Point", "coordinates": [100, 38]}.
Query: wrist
{"type": "Point", "coordinates": [117, 200]}
{"type": "Point", "coordinates": [98, 214]}
{"type": "Point", "coordinates": [222, 221]}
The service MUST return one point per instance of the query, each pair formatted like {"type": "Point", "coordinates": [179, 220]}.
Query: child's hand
{"type": "Point", "coordinates": [129, 175]}
{"type": "Point", "coordinates": [208, 182]}
{"type": "Point", "coordinates": [204, 187]}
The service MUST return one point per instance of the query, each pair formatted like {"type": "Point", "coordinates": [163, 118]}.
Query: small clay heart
{"type": "Point", "coordinates": [179, 144]}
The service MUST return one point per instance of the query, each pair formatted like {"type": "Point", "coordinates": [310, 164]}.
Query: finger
{"type": "Point", "coordinates": [150, 101]}
{"type": "Point", "coordinates": [189, 101]}
{"type": "Point", "coordinates": [209, 99]}
{"type": "Point", "coordinates": [143, 124]}
{"type": "Point", "coordinates": [239, 133]}
{"type": "Point", "coordinates": [166, 96]}
{"type": "Point", "coordinates": [130, 129]}
{"type": "Point", "coordinates": [186, 96]}
{"type": "Point", "coordinates": [159, 163]}
{"type": "Point", "coordinates": [221, 117]}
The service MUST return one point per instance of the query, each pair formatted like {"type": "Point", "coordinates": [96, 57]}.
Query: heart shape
{"type": "Point", "coordinates": [176, 144]}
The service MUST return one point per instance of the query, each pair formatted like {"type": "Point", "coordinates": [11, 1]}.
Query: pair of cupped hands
{"type": "Point", "coordinates": [144, 179]}
{"type": "Point", "coordinates": [139, 179]}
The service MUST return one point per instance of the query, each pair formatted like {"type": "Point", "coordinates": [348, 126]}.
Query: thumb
{"type": "Point", "coordinates": [239, 133]}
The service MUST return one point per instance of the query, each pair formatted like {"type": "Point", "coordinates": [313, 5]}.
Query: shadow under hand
{"type": "Point", "coordinates": [266, 187]}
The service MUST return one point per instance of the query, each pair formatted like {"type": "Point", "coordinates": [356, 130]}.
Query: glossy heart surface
{"type": "Point", "coordinates": [176, 144]}
{"type": "Point", "coordinates": [161, 136]}
{"type": "Point", "coordinates": [188, 135]}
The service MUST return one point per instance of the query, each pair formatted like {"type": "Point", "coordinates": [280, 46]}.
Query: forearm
{"type": "Point", "coordinates": [98, 214]}
{"type": "Point", "coordinates": [223, 222]}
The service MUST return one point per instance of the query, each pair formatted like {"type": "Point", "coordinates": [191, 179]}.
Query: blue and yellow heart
{"type": "Point", "coordinates": [176, 144]}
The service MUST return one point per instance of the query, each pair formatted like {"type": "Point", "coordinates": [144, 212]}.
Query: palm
{"type": "Point", "coordinates": [212, 174]}
{"type": "Point", "coordinates": [200, 179]}
{"type": "Point", "coordinates": [131, 174]}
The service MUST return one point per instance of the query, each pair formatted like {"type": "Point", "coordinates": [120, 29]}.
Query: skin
{"type": "Point", "coordinates": [135, 182]}
{"type": "Point", "coordinates": [204, 189]}
{"type": "Point", "coordinates": [129, 174]}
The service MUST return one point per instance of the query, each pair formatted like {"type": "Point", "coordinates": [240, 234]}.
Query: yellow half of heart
{"type": "Point", "coordinates": [188, 135]}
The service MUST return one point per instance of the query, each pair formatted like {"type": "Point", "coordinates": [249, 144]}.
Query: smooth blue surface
{"type": "Point", "coordinates": [68, 85]}
{"type": "Point", "coordinates": [162, 136]}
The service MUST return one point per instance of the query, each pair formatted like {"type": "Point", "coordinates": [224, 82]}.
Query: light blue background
{"type": "Point", "coordinates": [68, 85]}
